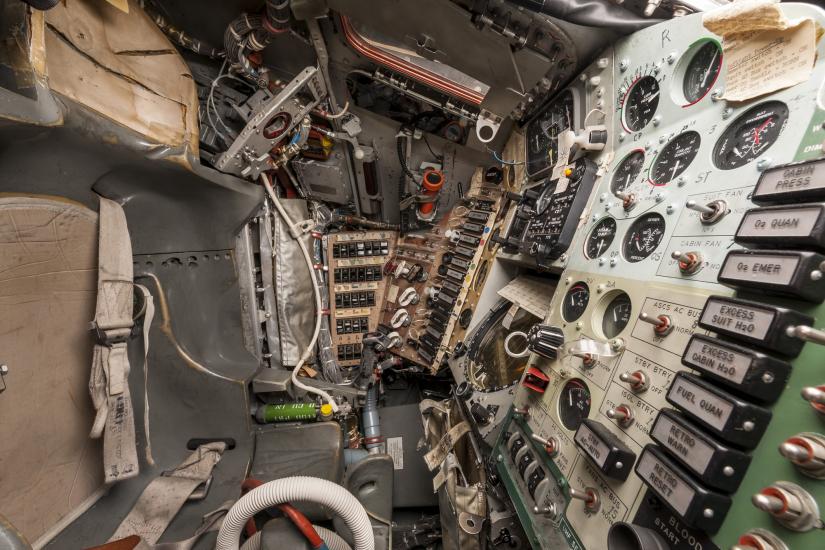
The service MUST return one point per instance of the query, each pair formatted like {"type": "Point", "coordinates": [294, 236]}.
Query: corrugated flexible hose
{"type": "Point", "coordinates": [297, 489]}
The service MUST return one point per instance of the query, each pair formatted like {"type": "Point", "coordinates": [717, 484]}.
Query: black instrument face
{"type": "Point", "coordinates": [600, 238]}
{"type": "Point", "coordinates": [575, 302]}
{"type": "Point", "coordinates": [627, 171]}
{"type": "Point", "coordinates": [616, 315]}
{"type": "Point", "coordinates": [750, 135]}
{"type": "Point", "coordinates": [574, 403]}
{"type": "Point", "coordinates": [675, 158]}
{"type": "Point", "coordinates": [549, 232]}
{"type": "Point", "coordinates": [643, 237]}
{"type": "Point", "coordinates": [702, 71]}
{"type": "Point", "coordinates": [543, 132]}
{"type": "Point", "coordinates": [640, 103]}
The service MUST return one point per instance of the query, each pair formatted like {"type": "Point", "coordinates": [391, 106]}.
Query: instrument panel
{"type": "Point", "coordinates": [685, 300]}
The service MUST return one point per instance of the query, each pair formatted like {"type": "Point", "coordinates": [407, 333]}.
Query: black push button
{"type": "Point", "coordinates": [752, 373]}
{"type": "Point", "coordinates": [777, 271]}
{"type": "Point", "coordinates": [797, 226]}
{"type": "Point", "coordinates": [697, 506]}
{"type": "Point", "coordinates": [762, 325]}
{"type": "Point", "coordinates": [714, 464]}
{"type": "Point", "coordinates": [791, 183]}
{"type": "Point", "coordinates": [728, 417]}
{"type": "Point", "coordinates": [613, 457]}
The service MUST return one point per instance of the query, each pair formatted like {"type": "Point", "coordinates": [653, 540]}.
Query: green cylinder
{"type": "Point", "coordinates": [286, 412]}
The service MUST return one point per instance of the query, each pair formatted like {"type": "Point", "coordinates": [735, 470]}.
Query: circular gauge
{"type": "Point", "coordinates": [616, 315]}
{"type": "Point", "coordinates": [643, 237]}
{"type": "Point", "coordinates": [702, 71]}
{"type": "Point", "coordinates": [750, 135]}
{"type": "Point", "coordinates": [575, 302]}
{"type": "Point", "coordinates": [574, 404]}
{"type": "Point", "coordinates": [640, 103]}
{"type": "Point", "coordinates": [545, 198]}
{"type": "Point", "coordinates": [675, 157]}
{"type": "Point", "coordinates": [543, 132]}
{"type": "Point", "coordinates": [600, 238]}
{"type": "Point", "coordinates": [627, 171]}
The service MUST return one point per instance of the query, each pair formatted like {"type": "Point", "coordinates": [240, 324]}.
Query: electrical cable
{"type": "Point", "coordinates": [502, 161]}
{"type": "Point", "coordinates": [319, 312]}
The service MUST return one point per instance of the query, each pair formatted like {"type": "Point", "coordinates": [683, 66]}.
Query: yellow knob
{"type": "Point", "coordinates": [567, 172]}
{"type": "Point", "coordinates": [326, 410]}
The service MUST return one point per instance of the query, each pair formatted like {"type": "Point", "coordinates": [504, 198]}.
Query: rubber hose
{"type": "Point", "coordinates": [590, 13]}
{"type": "Point", "coordinates": [332, 539]}
{"type": "Point", "coordinates": [297, 489]}
{"type": "Point", "coordinates": [370, 420]}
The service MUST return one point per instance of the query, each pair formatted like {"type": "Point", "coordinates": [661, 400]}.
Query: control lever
{"type": "Point", "coordinates": [816, 397]}
{"type": "Point", "coordinates": [588, 359]}
{"type": "Point", "coordinates": [628, 200]}
{"type": "Point", "coordinates": [759, 539]}
{"type": "Point", "coordinates": [709, 213]}
{"type": "Point", "coordinates": [623, 415]}
{"type": "Point", "coordinates": [807, 452]}
{"type": "Point", "coordinates": [637, 379]}
{"type": "Point", "coordinates": [790, 505]}
{"type": "Point", "coordinates": [662, 325]}
{"type": "Point", "coordinates": [589, 496]}
{"type": "Point", "coordinates": [551, 444]}
{"type": "Point", "coordinates": [689, 262]}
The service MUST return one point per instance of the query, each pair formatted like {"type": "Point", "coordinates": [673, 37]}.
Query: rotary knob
{"type": "Point", "coordinates": [545, 340]}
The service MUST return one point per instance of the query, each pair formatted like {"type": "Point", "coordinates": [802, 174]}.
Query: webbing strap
{"type": "Point", "coordinates": [109, 381]}
{"type": "Point", "coordinates": [163, 497]}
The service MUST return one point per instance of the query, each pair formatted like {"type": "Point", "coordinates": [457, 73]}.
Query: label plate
{"type": "Point", "coordinates": [665, 483]}
{"type": "Point", "coordinates": [592, 444]}
{"type": "Point", "coordinates": [691, 450]}
{"type": "Point", "coordinates": [760, 268]}
{"type": "Point", "coordinates": [781, 222]}
{"type": "Point", "coordinates": [720, 360]}
{"type": "Point", "coordinates": [700, 402]}
{"type": "Point", "coordinates": [788, 181]}
{"type": "Point", "coordinates": [745, 320]}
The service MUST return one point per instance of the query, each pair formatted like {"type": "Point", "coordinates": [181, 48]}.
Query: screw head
{"type": "Point", "coordinates": [763, 164]}
{"type": "Point", "coordinates": [768, 378]}
{"type": "Point", "coordinates": [4, 369]}
{"type": "Point", "coordinates": [671, 58]}
{"type": "Point", "coordinates": [622, 136]}
{"type": "Point", "coordinates": [727, 113]}
{"type": "Point", "coordinates": [728, 471]}
{"type": "Point", "coordinates": [624, 64]}
{"type": "Point", "coordinates": [613, 262]}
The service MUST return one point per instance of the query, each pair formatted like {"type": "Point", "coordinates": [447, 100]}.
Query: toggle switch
{"type": "Point", "coordinates": [589, 496]}
{"type": "Point", "coordinates": [623, 415]}
{"type": "Point", "coordinates": [588, 359]}
{"type": "Point", "coordinates": [759, 539]}
{"type": "Point", "coordinates": [536, 380]}
{"type": "Point", "coordinates": [807, 452]}
{"type": "Point", "coordinates": [816, 397]}
{"type": "Point", "coordinates": [524, 411]}
{"type": "Point", "coordinates": [790, 505]}
{"type": "Point", "coordinates": [662, 325]}
{"type": "Point", "coordinates": [551, 444]}
{"type": "Point", "coordinates": [689, 262]}
{"type": "Point", "coordinates": [637, 379]}
{"type": "Point", "coordinates": [628, 200]}
{"type": "Point", "coordinates": [709, 213]}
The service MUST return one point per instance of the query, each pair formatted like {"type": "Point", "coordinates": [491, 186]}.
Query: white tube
{"type": "Point", "coordinates": [318, 305]}
{"type": "Point", "coordinates": [300, 489]}
{"type": "Point", "coordinates": [331, 538]}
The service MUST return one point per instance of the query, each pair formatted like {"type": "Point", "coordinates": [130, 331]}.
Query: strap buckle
{"type": "Point", "coordinates": [201, 490]}
{"type": "Point", "coordinates": [102, 339]}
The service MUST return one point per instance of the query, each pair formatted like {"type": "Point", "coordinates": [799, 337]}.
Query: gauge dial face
{"type": "Point", "coordinates": [543, 132]}
{"type": "Point", "coordinates": [575, 302]}
{"type": "Point", "coordinates": [640, 103]}
{"type": "Point", "coordinates": [750, 135]}
{"type": "Point", "coordinates": [702, 71]}
{"type": "Point", "coordinates": [627, 171]}
{"type": "Point", "coordinates": [675, 158]}
{"type": "Point", "coordinates": [600, 238]}
{"type": "Point", "coordinates": [616, 315]}
{"type": "Point", "coordinates": [643, 237]}
{"type": "Point", "coordinates": [574, 404]}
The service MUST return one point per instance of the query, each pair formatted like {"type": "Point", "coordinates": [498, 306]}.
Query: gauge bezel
{"type": "Point", "coordinates": [537, 175]}
{"type": "Point", "coordinates": [658, 155]}
{"type": "Point", "coordinates": [630, 88]}
{"type": "Point", "coordinates": [677, 90]}
{"type": "Point", "coordinates": [621, 162]}
{"type": "Point", "coordinates": [564, 301]}
{"type": "Point", "coordinates": [737, 122]}
{"type": "Point", "coordinates": [638, 222]}
{"type": "Point", "coordinates": [590, 233]}
{"type": "Point", "coordinates": [600, 310]}
{"type": "Point", "coordinates": [583, 383]}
